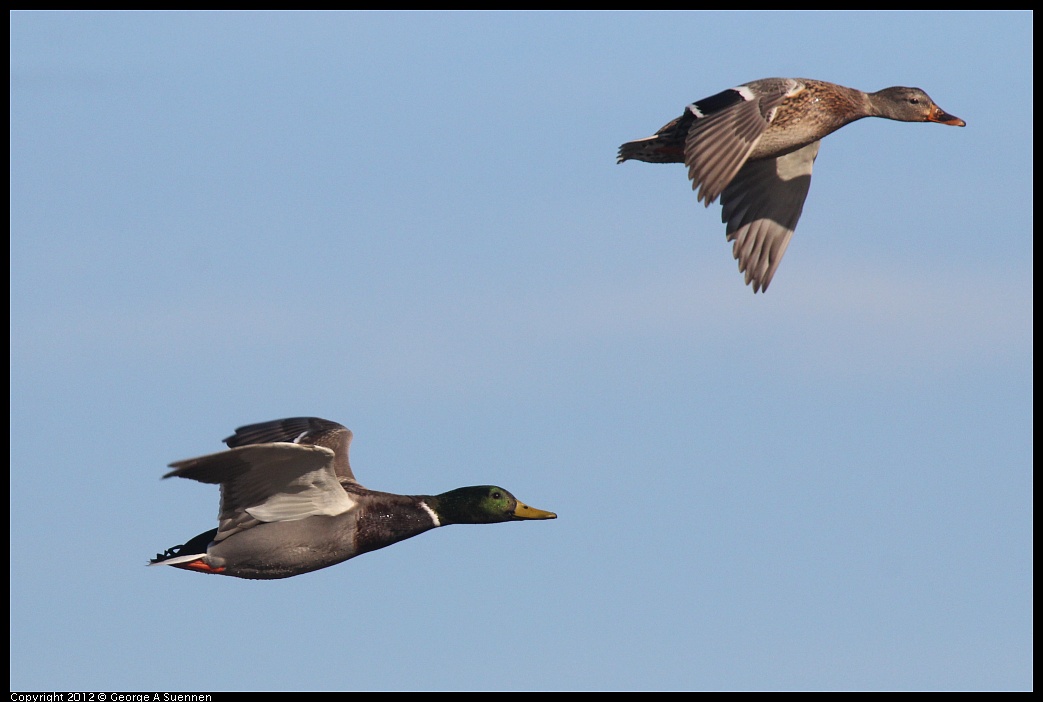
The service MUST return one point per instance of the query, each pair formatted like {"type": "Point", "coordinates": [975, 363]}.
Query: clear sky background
{"type": "Point", "coordinates": [414, 224]}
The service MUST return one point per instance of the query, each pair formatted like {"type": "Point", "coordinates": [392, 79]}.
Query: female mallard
{"type": "Point", "coordinates": [290, 504]}
{"type": "Point", "coordinates": [754, 146]}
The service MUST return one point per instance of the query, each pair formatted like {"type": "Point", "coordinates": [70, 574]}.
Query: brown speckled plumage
{"type": "Point", "coordinates": [753, 146]}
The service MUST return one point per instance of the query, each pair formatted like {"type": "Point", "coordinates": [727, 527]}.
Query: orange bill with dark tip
{"type": "Point", "coordinates": [942, 117]}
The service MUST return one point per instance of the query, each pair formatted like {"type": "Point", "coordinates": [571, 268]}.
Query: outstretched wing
{"type": "Point", "coordinates": [270, 482]}
{"type": "Point", "coordinates": [726, 129]}
{"type": "Point", "coordinates": [761, 207]}
{"type": "Point", "coordinates": [301, 430]}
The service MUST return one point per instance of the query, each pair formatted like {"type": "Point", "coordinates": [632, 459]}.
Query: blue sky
{"type": "Point", "coordinates": [413, 224]}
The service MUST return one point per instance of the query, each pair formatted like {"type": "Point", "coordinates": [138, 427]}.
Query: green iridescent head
{"type": "Point", "coordinates": [482, 504]}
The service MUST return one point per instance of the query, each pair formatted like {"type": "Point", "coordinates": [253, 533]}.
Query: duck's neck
{"type": "Point", "coordinates": [394, 518]}
{"type": "Point", "coordinates": [447, 508]}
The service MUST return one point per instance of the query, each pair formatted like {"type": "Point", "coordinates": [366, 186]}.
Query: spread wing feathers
{"type": "Point", "coordinates": [271, 482]}
{"type": "Point", "coordinates": [761, 207]}
{"type": "Point", "coordinates": [720, 142]}
{"type": "Point", "coordinates": [301, 430]}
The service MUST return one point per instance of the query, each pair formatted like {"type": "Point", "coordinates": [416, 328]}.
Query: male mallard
{"type": "Point", "coordinates": [290, 504]}
{"type": "Point", "coordinates": [754, 146]}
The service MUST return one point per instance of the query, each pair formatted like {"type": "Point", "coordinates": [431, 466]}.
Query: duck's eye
{"type": "Point", "coordinates": [497, 495]}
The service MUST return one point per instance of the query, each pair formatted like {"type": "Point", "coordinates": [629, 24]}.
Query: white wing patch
{"type": "Point", "coordinates": [316, 493]}
{"type": "Point", "coordinates": [746, 93]}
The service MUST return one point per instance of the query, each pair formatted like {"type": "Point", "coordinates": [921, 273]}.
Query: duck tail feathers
{"type": "Point", "coordinates": [653, 149]}
{"type": "Point", "coordinates": [190, 551]}
{"type": "Point", "coordinates": [169, 558]}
